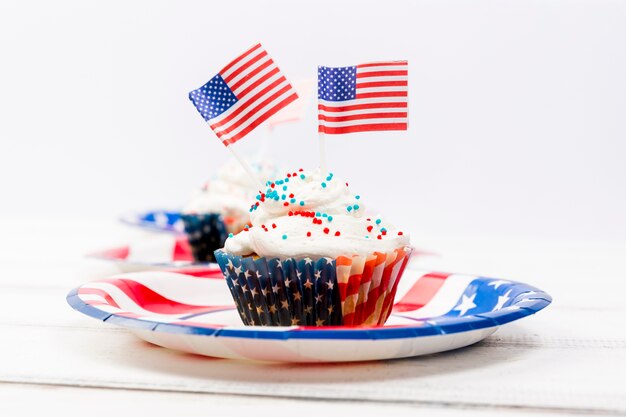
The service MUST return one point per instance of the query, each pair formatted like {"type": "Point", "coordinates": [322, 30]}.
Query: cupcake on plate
{"type": "Point", "coordinates": [313, 256]}
{"type": "Point", "coordinates": [220, 207]}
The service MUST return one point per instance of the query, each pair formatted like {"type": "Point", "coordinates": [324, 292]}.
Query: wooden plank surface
{"type": "Point", "coordinates": [32, 400]}
{"type": "Point", "coordinates": [570, 358]}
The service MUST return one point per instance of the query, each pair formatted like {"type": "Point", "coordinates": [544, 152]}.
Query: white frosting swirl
{"type": "Point", "coordinates": [305, 215]}
{"type": "Point", "coordinates": [230, 192]}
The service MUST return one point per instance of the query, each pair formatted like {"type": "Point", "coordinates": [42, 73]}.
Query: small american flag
{"type": "Point", "coordinates": [243, 95]}
{"type": "Point", "coordinates": [364, 97]}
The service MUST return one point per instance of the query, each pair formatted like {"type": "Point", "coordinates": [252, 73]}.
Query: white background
{"type": "Point", "coordinates": [513, 167]}
{"type": "Point", "coordinates": [518, 109]}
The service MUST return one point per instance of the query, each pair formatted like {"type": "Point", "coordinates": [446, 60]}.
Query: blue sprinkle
{"type": "Point", "coordinates": [301, 203]}
{"type": "Point", "coordinates": [230, 235]}
{"type": "Point", "coordinates": [383, 230]}
{"type": "Point", "coordinates": [318, 214]}
{"type": "Point", "coordinates": [324, 215]}
{"type": "Point", "coordinates": [286, 179]}
{"type": "Point", "coordinates": [357, 197]}
{"type": "Point", "coordinates": [328, 178]}
{"type": "Point", "coordinates": [302, 176]}
{"type": "Point", "coordinates": [258, 197]}
{"type": "Point", "coordinates": [293, 200]}
{"type": "Point", "coordinates": [284, 188]}
{"type": "Point", "coordinates": [367, 237]}
{"type": "Point", "coordinates": [349, 208]}
{"type": "Point", "coordinates": [282, 197]}
{"type": "Point", "coordinates": [323, 185]}
{"type": "Point", "coordinates": [377, 221]}
{"type": "Point", "coordinates": [330, 218]}
{"type": "Point", "coordinates": [356, 206]}
{"type": "Point", "coordinates": [284, 237]}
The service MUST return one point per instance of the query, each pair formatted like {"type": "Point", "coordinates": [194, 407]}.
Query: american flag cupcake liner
{"type": "Point", "coordinates": [346, 291]}
{"type": "Point", "coordinates": [206, 233]}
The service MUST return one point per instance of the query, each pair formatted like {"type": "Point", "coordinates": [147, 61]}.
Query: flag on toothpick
{"type": "Point", "coordinates": [360, 98]}
{"type": "Point", "coordinates": [243, 95]}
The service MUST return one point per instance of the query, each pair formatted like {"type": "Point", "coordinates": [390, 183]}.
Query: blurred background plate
{"type": "Point", "coordinates": [156, 220]}
{"type": "Point", "coordinates": [151, 252]}
{"type": "Point", "coordinates": [168, 251]}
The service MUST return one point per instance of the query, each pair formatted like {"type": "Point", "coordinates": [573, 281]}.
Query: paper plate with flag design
{"type": "Point", "coordinates": [164, 251]}
{"type": "Point", "coordinates": [194, 312]}
{"type": "Point", "coordinates": [157, 220]}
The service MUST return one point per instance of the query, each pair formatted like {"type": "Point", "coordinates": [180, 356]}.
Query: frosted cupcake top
{"type": "Point", "coordinates": [231, 191]}
{"type": "Point", "coordinates": [305, 214]}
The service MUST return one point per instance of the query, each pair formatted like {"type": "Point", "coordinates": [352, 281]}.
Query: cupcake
{"type": "Point", "coordinates": [313, 257]}
{"type": "Point", "coordinates": [221, 207]}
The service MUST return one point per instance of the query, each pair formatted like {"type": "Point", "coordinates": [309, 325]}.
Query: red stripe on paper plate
{"type": "Point", "coordinates": [422, 292]}
{"type": "Point", "coordinates": [152, 301]}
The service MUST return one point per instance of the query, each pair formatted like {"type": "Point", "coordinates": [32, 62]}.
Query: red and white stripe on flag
{"type": "Point", "coordinates": [366, 97]}
{"type": "Point", "coordinates": [244, 94]}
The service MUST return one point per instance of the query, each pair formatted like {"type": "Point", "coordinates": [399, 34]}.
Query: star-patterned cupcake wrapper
{"type": "Point", "coordinates": [349, 291]}
{"type": "Point", "coordinates": [206, 233]}
{"type": "Point", "coordinates": [288, 292]}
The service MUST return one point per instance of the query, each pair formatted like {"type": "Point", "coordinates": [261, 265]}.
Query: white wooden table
{"type": "Point", "coordinates": [568, 359]}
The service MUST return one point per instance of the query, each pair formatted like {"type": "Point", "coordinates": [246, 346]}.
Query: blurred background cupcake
{"type": "Point", "coordinates": [313, 256]}
{"type": "Point", "coordinates": [221, 207]}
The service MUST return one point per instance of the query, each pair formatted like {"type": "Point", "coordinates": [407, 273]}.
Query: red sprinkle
{"type": "Point", "coordinates": [369, 228]}
{"type": "Point", "coordinates": [291, 213]}
{"type": "Point", "coordinates": [400, 233]}
{"type": "Point", "coordinates": [291, 195]}
{"type": "Point", "coordinates": [326, 230]}
{"type": "Point", "coordinates": [288, 175]}
{"type": "Point", "coordinates": [285, 204]}
{"type": "Point", "coordinates": [300, 170]}
{"type": "Point", "coordinates": [272, 185]}
{"type": "Point", "coordinates": [337, 233]}
{"type": "Point", "coordinates": [273, 225]}
{"type": "Point", "coordinates": [308, 234]}
{"type": "Point", "coordinates": [384, 232]}
{"type": "Point", "coordinates": [379, 237]}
